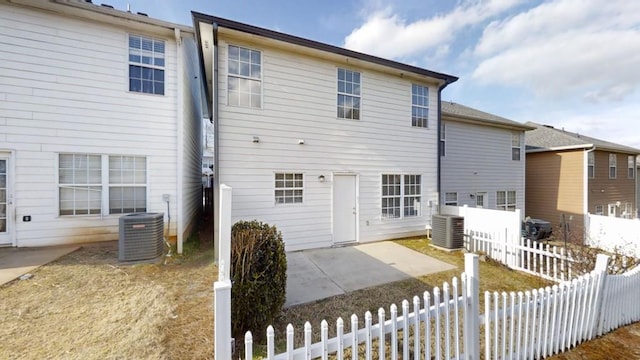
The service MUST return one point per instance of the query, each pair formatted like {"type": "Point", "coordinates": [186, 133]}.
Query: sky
{"type": "Point", "coordinates": [573, 64]}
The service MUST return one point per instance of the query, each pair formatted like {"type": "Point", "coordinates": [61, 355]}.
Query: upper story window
{"type": "Point", "coordinates": [146, 65]}
{"type": "Point", "coordinates": [612, 166]}
{"type": "Point", "coordinates": [442, 140]}
{"type": "Point", "coordinates": [631, 165]}
{"type": "Point", "coordinates": [419, 106]}
{"type": "Point", "coordinates": [348, 94]}
{"type": "Point", "coordinates": [288, 188]}
{"type": "Point", "coordinates": [591, 165]}
{"type": "Point", "coordinates": [515, 146]}
{"type": "Point", "coordinates": [244, 77]}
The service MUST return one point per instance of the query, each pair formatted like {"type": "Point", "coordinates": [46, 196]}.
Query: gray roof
{"type": "Point", "coordinates": [547, 138]}
{"type": "Point", "coordinates": [454, 111]}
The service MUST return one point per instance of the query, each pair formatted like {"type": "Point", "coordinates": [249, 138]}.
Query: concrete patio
{"type": "Point", "coordinates": [15, 262]}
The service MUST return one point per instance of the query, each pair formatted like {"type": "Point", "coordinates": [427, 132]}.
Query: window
{"type": "Point", "coordinates": [599, 209]}
{"type": "Point", "coordinates": [85, 189]}
{"type": "Point", "coordinates": [480, 199]}
{"type": "Point", "coordinates": [244, 77]}
{"type": "Point", "coordinates": [442, 140]}
{"type": "Point", "coordinates": [80, 184]}
{"type": "Point", "coordinates": [515, 146]}
{"type": "Point", "coordinates": [348, 94]}
{"type": "Point", "coordinates": [419, 106]}
{"type": "Point", "coordinates": [631, 165]}
{"type": "Point", "coordinates": [612, 166]}
{"type": "Point", "coordinates": [412, 186]}
{"type": "Point", "coordinates": [401, 196]}
{"type": "Point", "coordinates": [591, 162]}
{"type": "Point", "coordinates": [451, 198]}
{"type": "Point", "coordinates": [127, 184]}
{"type": "Point", "coordinates": [146, 65]}
{"type": "Point", "coordinates": [506, 200]}
{"type": "Point", "coordinates": [288, 188]}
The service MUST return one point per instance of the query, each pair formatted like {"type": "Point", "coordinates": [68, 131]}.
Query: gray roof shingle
{"type": "Point", "coordinates": [546, 137]}
{"type": "Point", "coordinates": [454, 110]}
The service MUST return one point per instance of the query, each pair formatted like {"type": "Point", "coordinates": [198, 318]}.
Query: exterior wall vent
{"type": "Point", "coordinates": [448, 231]}
{"type": "Point", "coordinates": [141, 236]}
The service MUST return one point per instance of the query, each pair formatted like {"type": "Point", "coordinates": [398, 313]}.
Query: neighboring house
{"type": "Point", "coordinates": [100, 115]}
{"type": "Point", "coordinates": [332, 146]}
{"type": "Point", "coordinates": [482, 159]}
{"type": "Point", "coordinates": [570, 174]}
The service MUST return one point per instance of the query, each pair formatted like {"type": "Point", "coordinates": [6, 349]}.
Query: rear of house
{"type": "Point", "coordinates": [570, 175]}
{"type": "Point", "coordinates": [100, 116]}
{"type": "Point", "coordinates": [482, 159]}
{"type": "Point", "coordinates": [329, 145]}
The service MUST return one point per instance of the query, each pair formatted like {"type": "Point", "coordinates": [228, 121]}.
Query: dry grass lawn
{"type": "Point", "coordinates": [87, 306]}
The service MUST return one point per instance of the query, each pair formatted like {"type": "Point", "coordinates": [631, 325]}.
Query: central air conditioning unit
{"type": "Point", "coordinates": [141, 236]}
{"type": "Point", "coordinates": [448, 231]}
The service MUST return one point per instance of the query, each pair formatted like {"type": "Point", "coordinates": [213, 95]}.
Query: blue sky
{"type": "Point", "coordinates": [573, 64]}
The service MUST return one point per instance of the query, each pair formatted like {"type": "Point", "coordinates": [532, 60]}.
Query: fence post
{"type": "Point", "coordinates": [472, 313]}
{"type": "Point", "coordinates": [602, 262]}
{"type": "Point", "coordinates": [222, 287]}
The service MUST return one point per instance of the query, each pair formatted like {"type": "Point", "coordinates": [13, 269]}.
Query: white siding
{"type": "Point", "coordinates": [299, 102]}
{"type": "Point", "coordinates": [64, 88]}
{"type": "Point", "coordinates": [485, 151]}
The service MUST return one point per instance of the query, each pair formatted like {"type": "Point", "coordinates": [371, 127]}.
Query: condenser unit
{"type": "Point", "coordinates": [141, 236]}
{"type": "Point", "coordinates": [448, 231]}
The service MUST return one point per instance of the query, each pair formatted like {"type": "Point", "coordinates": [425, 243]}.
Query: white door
{"type": "Point", "coordinates": [345, 216]}
{"type": "Point", "coordinates": [5, 201]}
{"type": "Point", "coordinates": [612, 210]}
{"type": "Point", "coordinates": [481, 199]}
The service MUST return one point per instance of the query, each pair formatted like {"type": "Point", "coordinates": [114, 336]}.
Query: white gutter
{"type": "Point", "coordinates": [180, 140]}
{"type": "Point", "coordinates": [560, 148]}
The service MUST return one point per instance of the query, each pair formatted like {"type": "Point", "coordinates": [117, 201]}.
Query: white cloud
{"type": "Point", "coordinates": [566, 46]}
{"type": "Point", "coordinates": [389, 35]}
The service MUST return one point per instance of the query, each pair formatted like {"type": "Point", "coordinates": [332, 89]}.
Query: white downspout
{"type": "Point", "coordinates": [180, 139]}
{"type": "Point", "coordinates": [585, 194]}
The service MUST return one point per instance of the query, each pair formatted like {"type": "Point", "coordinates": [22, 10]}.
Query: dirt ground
{"type": "Point", "coordinates": [87, 306]}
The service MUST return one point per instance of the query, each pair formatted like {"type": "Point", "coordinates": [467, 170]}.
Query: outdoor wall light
{"type": "Point", "coordinates": [321, 178]}
{"type": "Point", "coordinates": [256, 139]}
{"type": "Point", "coordinates": [301, 142]}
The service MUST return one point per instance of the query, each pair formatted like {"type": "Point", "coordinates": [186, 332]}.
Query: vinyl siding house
{"type": "Point", "coordinates": [100, 115]}
{"type": "Point", "coordinates": [482, 159]}
{"type": "Point", "coordinates": [329, 145]}
{"type": "Point", "coordinates": [571, 174]}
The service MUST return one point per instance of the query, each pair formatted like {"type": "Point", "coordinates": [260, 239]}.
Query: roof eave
{"type": "Point", "coordinates": [484, 122]}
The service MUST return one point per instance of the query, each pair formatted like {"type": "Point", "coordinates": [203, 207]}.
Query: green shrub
{"type": "Point", "coordinates": [259, 277]}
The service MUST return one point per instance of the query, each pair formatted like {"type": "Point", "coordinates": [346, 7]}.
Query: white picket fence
{"type": "Point", "coordinates": [448, 324]}
{"type": "Point", "coordinates": [536, 258]}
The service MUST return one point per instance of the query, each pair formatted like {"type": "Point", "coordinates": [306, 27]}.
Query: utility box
{"type": "Point", "coordinates": [141, 236]}
{"type": "Point", "coordinates": [448, 231]}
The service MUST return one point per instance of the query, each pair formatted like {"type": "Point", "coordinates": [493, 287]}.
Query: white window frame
{"type": "Point", "coordinates": [631, 167]}
{"type": "Point", "coordinates": [103, 187]}
{"type": "Point", "coordinates": [599, 210]}
{"type": "Point", "coordinates": [516, 146]}
{"type": "Point", "coordinates": [419, 106]}
{"type": "Point", "coordinates": [255, 99]}
{"type": "Point", "coordinates": [481, 195]}
{"type": "Point", "coordinates": [76, 187]}
{"type": "Point", "coordinates": [613, 166]}
{"type": "Point", "coordinates": [139, 182]}
{"type": "Point", "coordinates": [288, 185]}
{"type": "Point", "coordinates": [400, 196]}
{"type": "Point", "coordinates": [507, 206]}
{"type": "Point", "coordinates": [158, 63]}
{"type": "Point", "coordinates": [591, 165]}
{"type": "Point", "coordinates": [451, 198]}
{"type": "Point", "coordinates": [352, 100]}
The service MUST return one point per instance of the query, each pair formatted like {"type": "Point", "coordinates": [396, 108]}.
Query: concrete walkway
{"type": "Point", "coordinates": [317, 274]}
{"type": "Point", "coordinates": [15, 262]}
